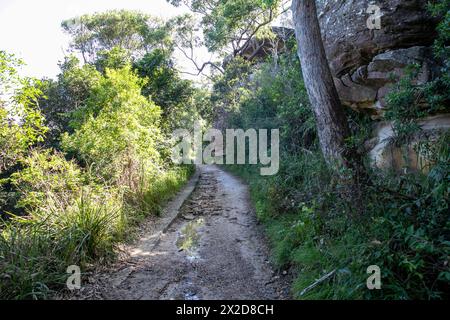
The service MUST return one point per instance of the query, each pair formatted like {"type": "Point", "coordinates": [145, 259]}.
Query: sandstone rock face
{"type": "Point", "coordinates": [350, 43]}
{"type": "Point", "coordinates": [261, 48]}
{"type": "Point", "coordinates": [367, 62]}
{"type": "Point", "coordinates": [386, 155]}
{"type": "Point", "coordinates": [364, 61]}
{"type": "Point", "coordinates": [368, 86]}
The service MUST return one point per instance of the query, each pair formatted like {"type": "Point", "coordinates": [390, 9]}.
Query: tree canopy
{"type": "Point", "coordinates": [228, 27]}
{"type": "Point", "coordinates": [133, 31]}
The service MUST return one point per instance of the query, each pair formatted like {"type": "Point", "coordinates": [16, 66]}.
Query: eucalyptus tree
{"type": "Point", "coordinates": [228, 27]}
{"type": "Point", "coordinates": [331, 121]}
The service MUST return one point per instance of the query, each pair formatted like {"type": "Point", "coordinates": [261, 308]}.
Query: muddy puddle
{"type": "Point", "coordinates": [188, 238]}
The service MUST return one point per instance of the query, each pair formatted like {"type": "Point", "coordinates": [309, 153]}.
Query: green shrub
{"type": "Point", "coordinates": [45, 172]}
{"type": "Point", "coordinates": [117, 132]}
{"type": "Point", "coordinates": [65, 96]}
{"type": "Point", "coordinates": [21, 122]}
{"type": "Point", "coordinates": [90, 226]}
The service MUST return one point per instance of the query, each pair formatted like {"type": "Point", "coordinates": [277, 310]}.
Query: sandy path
{"type": "Point", "coordinates": [213, 250]}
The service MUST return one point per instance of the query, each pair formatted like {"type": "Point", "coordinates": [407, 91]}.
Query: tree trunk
{"type": "Point", "coordinates": [331, 121]}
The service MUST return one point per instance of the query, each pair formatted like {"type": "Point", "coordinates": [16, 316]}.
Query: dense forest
{"type": "Point", "coordinates": [86, 157]}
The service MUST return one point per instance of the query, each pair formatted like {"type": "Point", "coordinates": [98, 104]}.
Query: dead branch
{"type": "Point", "coordinates": [317, 282]}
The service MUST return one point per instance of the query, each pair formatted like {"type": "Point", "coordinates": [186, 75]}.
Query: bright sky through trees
{"type": "Point", "coordinates": [32, 29]}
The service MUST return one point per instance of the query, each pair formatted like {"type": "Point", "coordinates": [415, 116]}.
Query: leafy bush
{"type": "Point", "coordinates": [167, 89]}
{"type": "Point", "coordinates": [117, 132]}
{"type": "Point", "coordinates": [404, 106]}
{"type": "Point", "coordinates": [45, 173]}
{"type": "Point", "coordinates": [21, 122]}
{"type": "Point", "coordinates": [411, 100]}
{"type": "Point", "coordinates": [12, 142]}
{"type": "Point", "coordinates": [66, 95]}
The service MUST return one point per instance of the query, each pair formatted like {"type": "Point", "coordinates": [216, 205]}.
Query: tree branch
{"type": "Point", "coordinates": [199, 68]}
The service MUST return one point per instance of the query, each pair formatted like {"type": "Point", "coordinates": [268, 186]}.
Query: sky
{"type": "Point", "coordinates": [31, 29]}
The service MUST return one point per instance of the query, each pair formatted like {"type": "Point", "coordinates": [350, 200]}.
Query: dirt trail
{"type": "Point", "coordinates": [213, 250]}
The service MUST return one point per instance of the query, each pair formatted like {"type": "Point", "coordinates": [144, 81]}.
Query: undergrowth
{"type": "Point", "coordinates": [405, 229]}
{"type": "Point", "coordinates": [36, 250]}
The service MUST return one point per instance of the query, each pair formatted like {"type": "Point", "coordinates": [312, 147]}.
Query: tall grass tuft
{"type": "Point", "coordinates": [36, 250]}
